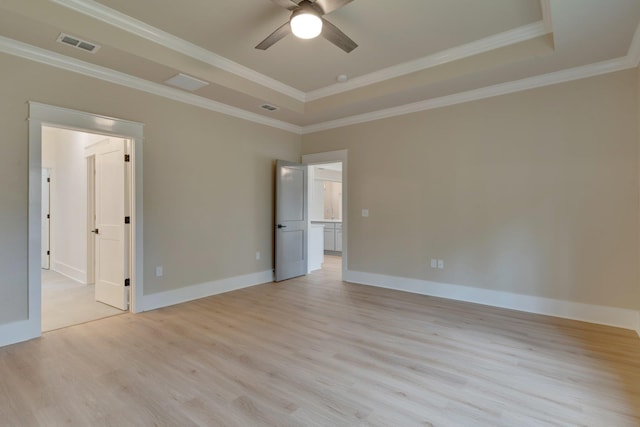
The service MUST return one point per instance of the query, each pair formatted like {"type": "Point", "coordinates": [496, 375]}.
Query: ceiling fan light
{"type": "Point", "coordinates": [306, 25]}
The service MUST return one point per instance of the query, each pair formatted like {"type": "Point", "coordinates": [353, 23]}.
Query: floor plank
{"type": "Point", "coordinates": [66, 302]}
{"type": "Point", "coordinates": [317, 351]}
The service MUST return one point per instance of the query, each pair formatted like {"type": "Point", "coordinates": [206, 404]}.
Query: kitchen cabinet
{"type": "Point", "coordinates": [332, 235]}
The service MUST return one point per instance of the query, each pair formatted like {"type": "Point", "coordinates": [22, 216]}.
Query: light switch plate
{"type": "Point", "coordinates": [365, 213]}
{"type": "Point", "coordinates": [159, 271]}
{"type": "Point", "coordinates": [441, 264]}
{"type": "Point", "coordinates": [434, 263]}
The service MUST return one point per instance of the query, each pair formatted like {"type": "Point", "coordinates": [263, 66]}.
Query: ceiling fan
{"type": "Point", "coordinates": [307, 22]}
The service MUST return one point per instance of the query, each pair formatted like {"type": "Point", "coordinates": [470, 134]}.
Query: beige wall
{"type": "Point", "coordinates": [208, 180]}
{"type": "Point", "coordinates": [533, 193]}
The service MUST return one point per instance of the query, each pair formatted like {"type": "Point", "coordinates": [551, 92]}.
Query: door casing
{"type": "Point", "coordinates": [43, 114]}
{"type": "Point", "coordinates": [333, 157]}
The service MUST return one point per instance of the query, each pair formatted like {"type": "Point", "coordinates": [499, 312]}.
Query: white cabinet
{"type": "Point", "coordinates": [329, 239]}
{"type": "Point", "coordinates": [316, 249]}
{"type": "Point", "coordinates": [332, 235]}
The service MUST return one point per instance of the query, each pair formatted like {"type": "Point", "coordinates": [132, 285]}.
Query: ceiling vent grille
{"type": "Point", "coordinates": [269, 107]}
{"type": "Point", "coordinates": [186, 82]}
{"type": "Point", "coordinates": [78, 43]}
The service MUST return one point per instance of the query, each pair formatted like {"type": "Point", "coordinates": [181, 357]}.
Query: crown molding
{"type": "Point", "coordinates": [127, 23]}
{"type": "Point", "coordinates": [507, 38]}
{"type": "Point", "coordinates": [477, 94]}
{"type": "Point", "coordinates": [633, 56]}
{"type": "Point", "coordinates": [545, 5]}
{"type": "Point", "coordinates": [124, 22]}
{"type": "Point", "coordinates": [67, 63]}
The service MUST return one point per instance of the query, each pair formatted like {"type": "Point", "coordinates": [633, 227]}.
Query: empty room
{"type": "Point", "coordinates": [320, 212]}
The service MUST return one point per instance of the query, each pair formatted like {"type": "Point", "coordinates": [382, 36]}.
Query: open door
{"type": "Point", "coordinates": [111, 248]}
{"type": "Point", "coordinates": [291, 220]}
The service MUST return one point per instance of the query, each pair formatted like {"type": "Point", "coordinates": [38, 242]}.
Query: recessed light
{"type": "Point", "coordinates": [185, 82]}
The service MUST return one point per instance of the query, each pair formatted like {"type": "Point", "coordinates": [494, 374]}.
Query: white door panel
{"type": "Point", "coordinates": [291, 220]}
{"type": "Point", "coordinates": [111, 249]}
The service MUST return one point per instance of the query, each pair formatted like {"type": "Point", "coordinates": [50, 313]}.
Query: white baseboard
{"type": "Point", "coordinates": [23, 330]}
{"type": "Point", "coordinates": [612, 316]}
{"type": "Point", "coordinates": [69, 271]}
{"type": "Point", "coordinates": [202, 290]}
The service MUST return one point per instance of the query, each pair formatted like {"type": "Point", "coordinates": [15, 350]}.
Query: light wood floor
{"type": "Point", "coordinates": [318, 352]}
{"type": "Point", "coordinates": [66, 302]}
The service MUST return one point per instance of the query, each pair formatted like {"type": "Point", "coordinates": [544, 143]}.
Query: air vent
{"type": "Point", "coordinates": [269, 107]}
{"type": "Point", "coordinates": [78, 43]}
{"type": "Point", "coordinates": [185, 82]}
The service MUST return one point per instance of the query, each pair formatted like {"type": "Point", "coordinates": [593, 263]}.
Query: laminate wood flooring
{"type": "Point", "coordinates": [66, 302]}
{"type": "Point", "coordinates": [315, 351]}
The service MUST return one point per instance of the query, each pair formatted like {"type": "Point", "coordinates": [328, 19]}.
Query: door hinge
{"type": "Point", "coordinates": [48, 253]}
{"type": "Point", "coordinates": [127, 158]}
{"type": "Point", "coordinates": [127, 282]}
{"type": "Point", "coordinates": [48, 216]}
{"type": "Point", "coordinates": [48, 179]}
{"type": "Point", "coordinates": [127, 220]}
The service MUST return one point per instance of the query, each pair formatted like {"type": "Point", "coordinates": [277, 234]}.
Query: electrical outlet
{"type": "Point", "coordinates": [365, 213]}
{"type": "Point", "coordinates": [434, 263]}
{"type": "Point", "coordinates": [159, 271]}
{"type": "Point", "coordinates": [441, 264]}
{"type": "Point", "coordinates": [257, 255]}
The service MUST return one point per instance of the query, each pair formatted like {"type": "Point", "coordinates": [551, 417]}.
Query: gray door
{"type": "Point", "coordinates": [291, 220]}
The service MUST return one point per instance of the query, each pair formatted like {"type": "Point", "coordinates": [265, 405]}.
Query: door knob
{"type": "Point", "coordinates": [95, 230]}
{"type": "Point", "coordinates": [281, 226]}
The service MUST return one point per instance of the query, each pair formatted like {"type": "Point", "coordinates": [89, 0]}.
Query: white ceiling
{"type": "Point", "coordinates": [412, 54]}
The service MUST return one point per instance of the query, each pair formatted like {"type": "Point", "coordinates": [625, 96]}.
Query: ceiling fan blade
{"type": "Point", "coordinates": [287, 4]}
{"type": "Point", "coordinates": [337, 37]}
{"type": "Point", "coordinates": [275, 37]}
{"type": "Point", "coordinates": [329, 6]}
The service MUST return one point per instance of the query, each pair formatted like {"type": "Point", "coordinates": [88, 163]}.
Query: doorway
{"type": "Point", "coordinates": [70, 294]}
{"type": "Point", "coordinates": [47, 115]}
{"type": "Point", "coordinates": [328, 201]}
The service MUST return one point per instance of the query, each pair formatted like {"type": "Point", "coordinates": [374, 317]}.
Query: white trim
{"type": "Point", "coordinates": [11, 333]}
{"type": "Point", "coordinates": [26, 51]}
{"type": "Point", "coordinates": [43, 56]}
{"type": "Point", "coordinates": [612, 316]}
{"type": "Point", "coordinates": [486, 44]}
{"type": "Point", "coordinates": [72, 273]}
{"type": "Point", "coordinates": [477, 94]}
{"type": "Point", "coordinates": [332, 157]}
{"type": "Point", "coordinates": [545, 5]}
{"type": "Point", "coordinates": [633, 55]}
{"type": "Point", "coordinates": [638, 324]}
{"type": "Point", "coordinates": [42, 114]}
{"type": "Point", "coordinates": [134, 26]}
{"type": "Point", "coordinates": [203, 290]}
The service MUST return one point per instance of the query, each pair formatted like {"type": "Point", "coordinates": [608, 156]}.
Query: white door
{"type": "Point", "coordinates": [46, 220]}
{"type": "Point", "coordinates": [291, 220]}
{"type": "Point", "coordinates": [111, 251]}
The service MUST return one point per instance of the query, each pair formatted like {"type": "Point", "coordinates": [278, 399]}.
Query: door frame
{"type": "Point", "coordinates": [46, 173]}
{"type": "Point", "coordinates": [49, 115]}
{"type": "Point", "coordinates": [333, 157]}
